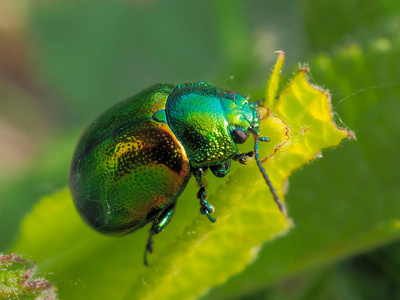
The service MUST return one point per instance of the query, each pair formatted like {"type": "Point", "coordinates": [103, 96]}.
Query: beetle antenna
{"type": "Point", "coordinates": [271, 188]}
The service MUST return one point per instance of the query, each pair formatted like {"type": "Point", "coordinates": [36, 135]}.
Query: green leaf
{"type": "Point", "coordinates": [191, 255]}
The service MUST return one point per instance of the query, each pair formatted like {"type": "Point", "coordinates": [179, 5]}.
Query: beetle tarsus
{"type": "Point", "coordinates": [213, 220]}
{"type": "Point", "coordinates": [159, 224]}
{"type": "Point", "coordinates": [205, 207]}
{"type": "Point", "coordinates": [149, 248]}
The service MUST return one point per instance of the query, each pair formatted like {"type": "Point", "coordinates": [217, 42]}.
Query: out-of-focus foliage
{"type": "Point", "coordinates": [18, 279]}
{"type": "Point", "coordinates": [80, 58]}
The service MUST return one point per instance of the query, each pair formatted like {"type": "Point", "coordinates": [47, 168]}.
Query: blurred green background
{"type": "Point", "coordinates": [64, 62]}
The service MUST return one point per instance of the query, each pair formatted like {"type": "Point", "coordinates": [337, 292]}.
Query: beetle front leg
{"type": "Point", "coordinates": [158, 225]}
{"type": "Point", "coordinates": [205, 207]}
{"type": "Point", "coordinates": [242, 157]}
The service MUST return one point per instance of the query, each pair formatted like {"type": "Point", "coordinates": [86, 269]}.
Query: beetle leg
{"type": "Point", "coordinates": [149, 248]}
{"type": "Point", "coordinates": [158, 225]}
{"type": "Point", "coordinates": [205, 207]}
{"type": "Point", "coordinates": [242, 157]}
{"type": "Point", "coordinates": [221, 170]}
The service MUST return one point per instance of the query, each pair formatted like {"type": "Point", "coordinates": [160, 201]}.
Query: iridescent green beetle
{"type": "Point", "coordinates": [134, 161]}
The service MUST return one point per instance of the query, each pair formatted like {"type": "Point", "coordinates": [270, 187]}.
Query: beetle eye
{"type": "Point", "coordinates": [239, 136]}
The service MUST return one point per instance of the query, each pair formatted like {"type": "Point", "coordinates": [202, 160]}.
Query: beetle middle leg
{"type": "Point", "coordinates": [205, 207]}
{"type": "Point", "coordinates": [158, 225]}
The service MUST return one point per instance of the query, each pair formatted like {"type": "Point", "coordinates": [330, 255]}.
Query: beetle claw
{"type": "Point", "coordinates": [148, 249]}
{"type": "Point", "coordinates": [213, 220]}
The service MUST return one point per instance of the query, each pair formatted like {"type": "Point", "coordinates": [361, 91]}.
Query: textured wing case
{"type": "Point", "coordinates": [127, 166]}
